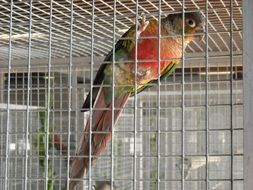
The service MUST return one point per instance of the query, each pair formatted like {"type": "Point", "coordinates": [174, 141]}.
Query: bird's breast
{"type": "Point", "coordinates": [148, 54]}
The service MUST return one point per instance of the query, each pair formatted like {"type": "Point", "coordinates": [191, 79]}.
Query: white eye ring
{"type": "Point", "coordinates": [191, 23]}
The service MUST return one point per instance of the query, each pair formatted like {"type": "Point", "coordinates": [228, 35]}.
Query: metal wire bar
{"type": "Point", "coordinates": [248, 93]}
{"type": "Point", "coordinates": [164, 84]}
{"type": "Point", "coordinates": [213, 29]}
{"type": "Point", "coordinates": [38, 124]}
{"type": "Point", "coordinates": [127, 156]}
{"type": "Point", "coordinates": [196, 56]}
{"type": "Point", "coordinates": [144, 131]}
{"type": "Point", "coordinates": [48, 98]}
{"type": "Point", "coordinates": [70, 88]}
{"type": "Point", "coordinates": [78, 35]}
{"type": "Point", "coordinates": [8, 101]}
{"type": "Point", "coordinates": [138, 107]}
{"type": "Point", "coordinates": [101, 32]}
{"type": "Point", "coordinates": [222, 24]}
{"type": "Point", "coordinates": [79, 27]}
{"type": "Point", "coordinates": [38, 27]}
{"type": "Point", "coordinates": [40, 7]}
{"type": "Point", "coordinates": [231, 96]}
{"type": "Point", "coordinates": [91, 93]}
{"type": "Point", "coordinates": [97, 18]}
{"type": "Point", "coordinates": [61, 33]}
{"type": "Point", "coordinates": [240, 10]}
{"type": "Point", "coordinates": [144, 180]}
{"type": "Point", "coordinates": [107, 37]}
{"type": "Point", "coordinates": [135, 93]}
{"type": "Point", "coordinates": [113, 92]}
{"type": "Point", "coordinates": [214, 84]}
{"type": "Point", "coordinates": [107, 16]}
{"type": "Point", "coordinates": [86, 25]}
{"type": "Point", "coordinates": [117, 12]}
{"type": "Point", "coordinates": [16, 170]}
{"type": "Point", "coordinates": [61, 123]}
{"type": "Point", "coordinates": [45, 46]}
{"type": "Point", "coordinates": [215, 12]}
{"type": "Point", "coordinates": [207, 96]}
{"type": "Point", "coordinates": [28, 98]}
{"type": "Point", "coordinates": [159, 97]}
{"type": "Point", "coordinates": [183, 98]}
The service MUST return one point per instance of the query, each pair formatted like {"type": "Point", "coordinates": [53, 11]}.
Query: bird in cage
{"type": "Point", "coordinates": [139, 58]}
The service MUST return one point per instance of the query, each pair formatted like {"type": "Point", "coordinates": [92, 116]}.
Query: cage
{"type": "Point", "coordinates": [184, 132]}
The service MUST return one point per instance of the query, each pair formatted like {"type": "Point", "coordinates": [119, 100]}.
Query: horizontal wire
{"type": "Point", "coordinates": [50, 156]}
{"type": "Point", "coordinates": [123, 15]}
{"type": "Point", "coordinates": [130, 179]}
{"type": "Point", "coordinates": [106, 18]}
{"type": "Point", "coordinates": [128, 131]}
{"type": "Point", "coordinates": [125, 109]}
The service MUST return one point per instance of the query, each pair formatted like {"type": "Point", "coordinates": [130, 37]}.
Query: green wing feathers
{"type": "Point", "coordinates": [122, 49]}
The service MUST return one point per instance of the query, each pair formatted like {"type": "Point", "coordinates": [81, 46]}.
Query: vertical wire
{"type": "Point", "coordinates": [91, 90]}
{"type": "Point", "coordinates": [38, 130]}
{"type": "Point", "coordinates": [8, 101]}
{"type": "Point", "coordinates": [231, 94]}
{"type": "Point", "coordinates": [16, 126]}
{"type": "Point", "coordinates": [76, 102]}
{"type": "Point", "coordinates": [60, 134]}
{"type": "Point", "coordinates": [135, 92]}
{"type": "Point", "coordinates": [48, 95]}
{"type": "Point", "coordinates": [207, 97]}
{"type": "Point", "coordinates": [247, 94]}
{"type": "Point", "coordinates": [70, 88]}
{"type": "Point", "coordinates": [113, 88]}
{"type": "Point", "coordinates": [28, 93]}
{"type": "Point", "coordinates": [29, 131]}
{"type": "Point", "coordinates": [158, 96]}
{"type": "Point", "coordinates": [23, 114]}
{"type": "Point", "coordinates": [183, 93]}
{"type": "Point", "coordinates": [52, 129]}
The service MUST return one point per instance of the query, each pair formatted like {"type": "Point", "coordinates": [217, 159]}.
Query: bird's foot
{"type": "Point", "coordinates": [141, 74]}
{"type": "Point", "coordinates": [142, 25]}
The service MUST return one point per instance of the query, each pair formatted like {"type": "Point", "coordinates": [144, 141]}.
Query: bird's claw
{"type": "Point", "coordinates": [141, 74]}
{"type": "Point", "coordinates": [142, 25]}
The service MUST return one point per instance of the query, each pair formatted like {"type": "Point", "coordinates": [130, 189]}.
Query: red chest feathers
{"type": "Point", "coordinates": [147, 52]}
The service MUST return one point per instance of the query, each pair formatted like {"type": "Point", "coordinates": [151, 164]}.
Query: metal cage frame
{"type": "Point", "coordinates": [92, 49]}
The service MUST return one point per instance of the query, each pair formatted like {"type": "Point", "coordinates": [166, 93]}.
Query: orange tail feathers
{"type": "Point", "coordinates": [102, 120]}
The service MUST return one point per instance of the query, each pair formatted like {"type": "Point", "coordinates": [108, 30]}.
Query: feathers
{"type": "Point", "coordinates": [102, 122]}
{"type": "Point", "coordinates": [165, 74]}
{"type": "Point", "coordinates": [124, 76]}
{"type": "Point", "coordinates": [121, 51]}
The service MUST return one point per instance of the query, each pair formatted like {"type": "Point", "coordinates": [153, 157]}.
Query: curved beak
{"type": "Point", "coordinates": [200, 32]}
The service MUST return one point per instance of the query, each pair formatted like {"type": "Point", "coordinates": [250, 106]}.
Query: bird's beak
{"type": "Point", "coordinates": [201, 31]}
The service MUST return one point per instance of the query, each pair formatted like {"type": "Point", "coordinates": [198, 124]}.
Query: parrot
{"type": "Point", "coordinates": [39, 142]}
{"type": "Point", "coordinates": [128, 80]}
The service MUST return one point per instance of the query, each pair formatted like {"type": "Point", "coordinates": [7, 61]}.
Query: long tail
{"type": "Point", "coordinates": [102, 120]}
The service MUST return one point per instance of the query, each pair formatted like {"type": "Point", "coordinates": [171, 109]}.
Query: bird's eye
{"type": "Point", "coordinates": [191, 23]}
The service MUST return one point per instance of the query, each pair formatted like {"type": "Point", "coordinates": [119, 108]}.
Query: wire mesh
{"type": "Point", "coordinates": [247, 57]}
{"type": "Point", "coordinates": [185, 132]}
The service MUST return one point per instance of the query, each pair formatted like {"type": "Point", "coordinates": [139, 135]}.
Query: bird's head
{"type": "Point", "coordinates": [193, 23]}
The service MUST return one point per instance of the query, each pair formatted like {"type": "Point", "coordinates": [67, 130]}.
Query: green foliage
{"type": "Point", "coordinates": [41, 148]}
{"type": "Point", "coordinates": [41, 141]}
